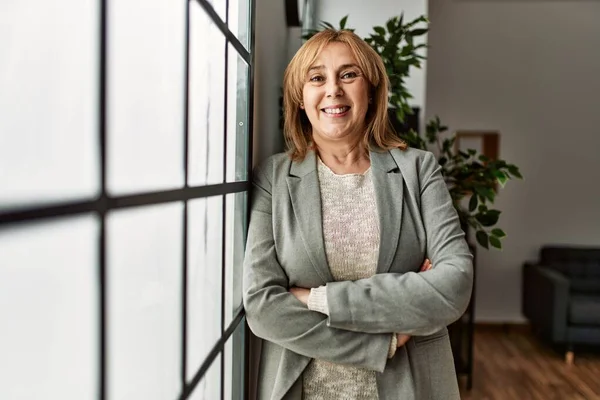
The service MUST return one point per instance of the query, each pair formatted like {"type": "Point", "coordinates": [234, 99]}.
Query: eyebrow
{"type": "Point", "coordinates": [320, 67]}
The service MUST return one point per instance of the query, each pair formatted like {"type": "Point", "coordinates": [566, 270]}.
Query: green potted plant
{"type": "Point", "coordinates": [469, 175]}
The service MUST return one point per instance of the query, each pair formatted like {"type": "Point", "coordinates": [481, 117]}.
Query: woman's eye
{"type": "Point", "coordinates": [316, 78]}
{"type": "Point", "coordinates": [349, 75]}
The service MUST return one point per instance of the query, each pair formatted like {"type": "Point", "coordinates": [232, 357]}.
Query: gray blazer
{"type": "Point", "coordinates": [285, 248]}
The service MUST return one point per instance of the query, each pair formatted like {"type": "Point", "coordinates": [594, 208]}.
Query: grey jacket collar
{"type": "Point", "coordinates": [381, 159]}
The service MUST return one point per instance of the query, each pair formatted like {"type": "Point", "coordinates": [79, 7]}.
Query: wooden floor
{"type": "Point", "coordinates": [511, 363]}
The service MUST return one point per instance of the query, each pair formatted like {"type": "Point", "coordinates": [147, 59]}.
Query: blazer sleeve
{"type": "Point", "coordinates": [413, 303]}
{"type": "Point", "coordinates": [276, 315]}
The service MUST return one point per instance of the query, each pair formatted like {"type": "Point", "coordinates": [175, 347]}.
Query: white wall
{"type": "Point", "coordinates": [363, 16]}
{"type": "Point", "coordinates": [530, 70]}
{"type": "Point", "coordinates": [271, 39]}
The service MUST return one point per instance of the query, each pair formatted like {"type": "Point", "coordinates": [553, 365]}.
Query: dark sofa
{"type": "Point", "coordinates": [561, 296]}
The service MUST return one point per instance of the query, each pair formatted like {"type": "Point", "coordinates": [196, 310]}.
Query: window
{"type": "Point", "coordinates": [125, 134]}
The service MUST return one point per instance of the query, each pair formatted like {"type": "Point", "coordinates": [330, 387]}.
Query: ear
{"type": "Point", "coordinates": [302, 106]}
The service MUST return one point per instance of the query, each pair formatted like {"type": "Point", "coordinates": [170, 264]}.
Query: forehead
{"type": "Point", "coordinates": [334, 53]}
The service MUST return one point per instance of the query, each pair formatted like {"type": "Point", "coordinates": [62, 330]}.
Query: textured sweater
{"type": "Point", "coordinates": [351, 236]}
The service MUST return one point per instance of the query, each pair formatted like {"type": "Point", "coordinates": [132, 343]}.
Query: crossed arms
{"type": "Point", "coordinates": [363, 314]}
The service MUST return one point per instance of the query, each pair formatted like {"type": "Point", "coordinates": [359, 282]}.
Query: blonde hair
{"type": "Point", "coordinates": [297, 127]}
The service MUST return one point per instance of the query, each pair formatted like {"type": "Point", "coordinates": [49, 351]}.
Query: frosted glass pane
{"type": "Point", "coordinates": [239, 20]}
{"type": "Point", "coordinates": [144, 255]}
{"type": "Point", "coordinates": [205, 231]}
{"type": "Point", "coordinates": [238, 93]}
{"type": "Point", "coordinates": [234, 364]}
{"type": "Point", "coordinates": [207, 99]}
{"type": "Point", "coordinates": [219, 7]}
{"type": "Point", "coordinates": [146, 95]}
{"type": "Point", "coordinates": [235, 238]}
{"type": "Point", "coordinates": [49, 339]}
{"type": "Point", "coordinates": [209, 387]}
{"type": "Point", "coordinates": [48, 101]}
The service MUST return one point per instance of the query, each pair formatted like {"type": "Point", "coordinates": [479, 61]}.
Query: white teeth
{"type": "Point", "coordinates": [336, 110]}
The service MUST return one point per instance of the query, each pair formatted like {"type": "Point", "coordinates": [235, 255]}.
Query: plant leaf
{"type": "Point", "coordinates": [514, 171]}
{"type": "Point", "coordinates": [390, 24]}
{"type": "Point", "coordinates": [418, 32]}
{"type": "Point", "coordinates": [499, 233]}
{"type": "Point", "coordinates": [482, 239]}
{"type": "Point", "coordinates": [488, 219]}
{"type": "Point", "coordinates": [447, 144]}
{"type": "Point", "coordinates": [495, 242]}
{"type": "Point", "coordinates": [379, 30]}
{"type": "Point", "coordinates": [502, 179]}
{"type": "Point", "coordinates": [473, 203]}
{"type": "Point", "coordinates": [485, 192]}
{"type": "Point", "coordinates": [343, 22]}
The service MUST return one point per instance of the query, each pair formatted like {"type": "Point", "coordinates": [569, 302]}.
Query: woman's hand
{"type": "Point", "coordinates": [426, 265]}
{"type": "Point", "coordinates": [402, 339]}
{"type": "Point", "coordinates": [301, 294]}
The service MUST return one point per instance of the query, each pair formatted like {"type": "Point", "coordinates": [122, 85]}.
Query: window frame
{"type": "Point", "coordinates": [104, 203]}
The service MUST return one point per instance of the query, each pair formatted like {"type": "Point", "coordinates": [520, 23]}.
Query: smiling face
{"type": "Point", "coordinates": [336, 96]}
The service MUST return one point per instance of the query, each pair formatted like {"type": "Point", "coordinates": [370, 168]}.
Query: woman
{"type": "Point", "coordinates": [340, 226]}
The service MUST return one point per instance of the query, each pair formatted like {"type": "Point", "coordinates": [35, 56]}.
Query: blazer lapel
{"type": "Point", "coordinates": [389, 189]}
{"type": "Point", "coordinates": [303, 186]}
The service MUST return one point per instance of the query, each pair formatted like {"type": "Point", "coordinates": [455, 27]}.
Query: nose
{"type": "Point", "coordinates": [333, 88]}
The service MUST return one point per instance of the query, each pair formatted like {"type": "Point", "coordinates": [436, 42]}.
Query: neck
{"type": "Point", "coordinates": [344, 158]}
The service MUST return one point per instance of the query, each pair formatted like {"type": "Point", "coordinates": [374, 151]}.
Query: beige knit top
{"type": "Point", "coordinates": [351, 236]}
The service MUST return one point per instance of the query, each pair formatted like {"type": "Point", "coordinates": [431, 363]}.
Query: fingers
{"type": "Point", "coordinates": [426, 265]}
{"type": "Point", "coordinates": [402, 339]}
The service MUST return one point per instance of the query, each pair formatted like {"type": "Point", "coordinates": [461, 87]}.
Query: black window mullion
{"type": "Point", "coordinates": [250, 78]}
{"type": "Point", "coordinates": [184, 303]}
{"type": "Point", "coordinates": [223, 289]}
{"type": "Point", "coordinates": [105, 202]}
{"type": "Point", "coordinates": [226, 88]}
{"type": "Point", "coordinates": [184, 283]}
{"type": "Point", "coordinates": [102, 131]}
